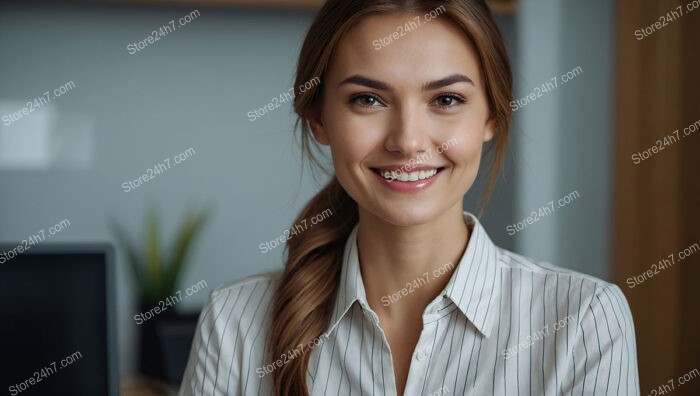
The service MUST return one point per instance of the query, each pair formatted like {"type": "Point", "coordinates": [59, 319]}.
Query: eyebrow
{"type": "Point", "coordinates": [376, 84]}
{"type": "Point", "coordinates": [449, 80]}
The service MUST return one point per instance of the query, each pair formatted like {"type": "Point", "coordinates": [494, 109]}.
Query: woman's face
{"type": "Point", "coordinates": [416, 106]}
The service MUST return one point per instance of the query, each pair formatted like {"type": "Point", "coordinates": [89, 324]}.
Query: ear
{"type": "Point", "coordinates": [317, 127]}
{"type": "Point", "coordinates": [490, 129]}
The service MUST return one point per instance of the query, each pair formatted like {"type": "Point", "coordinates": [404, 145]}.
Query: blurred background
{"type": "Point", "coordinates": [89, 104]}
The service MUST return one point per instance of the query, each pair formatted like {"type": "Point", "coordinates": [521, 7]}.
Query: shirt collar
{"type": "Point", "coordinates": [474, 286]}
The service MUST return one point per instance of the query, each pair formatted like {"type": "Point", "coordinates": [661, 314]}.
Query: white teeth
{"type": "Point", "coordinates": [409, 176]}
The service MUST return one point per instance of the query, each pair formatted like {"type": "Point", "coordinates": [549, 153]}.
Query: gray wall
{"type": "Point", "coordinates": [563, 138]}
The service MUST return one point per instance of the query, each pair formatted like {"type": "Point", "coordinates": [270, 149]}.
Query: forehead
{"type": "Point", "coordinates": [388, 47]}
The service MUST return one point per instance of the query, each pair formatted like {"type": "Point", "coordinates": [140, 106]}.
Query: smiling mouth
{"type": "Point", "coordinates": [412, 176]}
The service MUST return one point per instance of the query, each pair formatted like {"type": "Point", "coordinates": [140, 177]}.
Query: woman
{"type": "Point", "coordinates": [399, 291]}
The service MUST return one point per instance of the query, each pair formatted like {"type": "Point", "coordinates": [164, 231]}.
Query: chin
{"type": "Point", "coordinates": [407, 215]}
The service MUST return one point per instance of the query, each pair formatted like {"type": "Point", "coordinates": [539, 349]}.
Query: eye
{"type": "Point", "coordinates": [365, 100]}
{"type": "Point", "coordinates": [449, 100]}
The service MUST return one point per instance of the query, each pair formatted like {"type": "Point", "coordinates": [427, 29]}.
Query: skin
{"type": "Point", "coordinates": [403, 235]}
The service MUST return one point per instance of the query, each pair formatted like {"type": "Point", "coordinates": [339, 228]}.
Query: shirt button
{"type": "Point", "coordinates": [420, 356]}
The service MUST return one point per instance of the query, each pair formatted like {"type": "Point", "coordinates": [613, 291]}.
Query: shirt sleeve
{"type": "Point", "coordinates": [604, 356]}
{"type": "Point", "coordinates": [206, 373]}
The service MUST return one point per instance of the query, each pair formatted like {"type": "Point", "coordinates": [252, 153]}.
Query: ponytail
{"type": "Point", "coordinates": [304, 301]}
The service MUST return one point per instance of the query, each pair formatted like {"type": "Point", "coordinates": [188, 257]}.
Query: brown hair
{"type": "Point", "coordinates": [304, 300]}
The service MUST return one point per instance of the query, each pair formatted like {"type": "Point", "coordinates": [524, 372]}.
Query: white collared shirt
{"type": "Point", "coordinates": [503, 325]}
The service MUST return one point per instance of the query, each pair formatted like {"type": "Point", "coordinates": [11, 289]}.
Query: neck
{"type": "Point", "coordinates": [393, 256]}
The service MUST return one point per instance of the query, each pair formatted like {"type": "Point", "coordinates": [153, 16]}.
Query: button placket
{"type": "Point", "coordinates": [420, 362]}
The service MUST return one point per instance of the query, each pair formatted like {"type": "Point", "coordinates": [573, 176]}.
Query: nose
{"type": "Point", "coordinates": [408, 132]}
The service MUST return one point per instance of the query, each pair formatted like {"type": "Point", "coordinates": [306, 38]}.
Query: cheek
{"type": "Point", "coordinates": [465, 161]}
{"type": "Point", "coordinates": [469, 146]}
{"type": "Point", "coordinates": [349, 146]}
{"type": "Point", "coordinates": [352, 138]}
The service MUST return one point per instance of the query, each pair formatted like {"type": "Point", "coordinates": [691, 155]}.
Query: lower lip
{"type": "Point", "coordinates": [408, 186]}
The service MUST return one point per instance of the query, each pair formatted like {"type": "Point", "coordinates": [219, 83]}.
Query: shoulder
{"type": "Point", "coordinates": [551, 275]}
{"type": "Point", "coordinates": [229, 343]}
{"type": "Point", "coordinates": [240, 302]}
{"type": "Point", "coordinates": [591, 315]}
{"type": "Point", "coordinates": [264, 280]}
{"type": "Point", "coordinates": [583, 295]}
{"type": "Point", "coordinates": [238, 311]}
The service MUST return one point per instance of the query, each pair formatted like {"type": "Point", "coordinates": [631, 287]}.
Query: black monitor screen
{"type": "Point", "coordinates": [54, 324]}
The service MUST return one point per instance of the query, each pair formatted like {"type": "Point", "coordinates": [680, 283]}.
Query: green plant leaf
{"type": "Point", "coordinates": [157, 278]}
{"type": "Point", "coordinates": [153, 260]}
{"type": "Point", "coordinates": [188, 232]}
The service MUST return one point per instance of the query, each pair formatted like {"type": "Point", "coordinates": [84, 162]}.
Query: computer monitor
{"type": "Point", "coordinates": [58, 320]}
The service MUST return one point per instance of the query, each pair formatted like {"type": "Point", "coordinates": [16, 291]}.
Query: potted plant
{"type": "Point", "coordinates": [156, 271]}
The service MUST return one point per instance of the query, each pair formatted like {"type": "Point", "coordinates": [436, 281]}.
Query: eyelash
{"type": "Point", "coordinates": [459, 98]}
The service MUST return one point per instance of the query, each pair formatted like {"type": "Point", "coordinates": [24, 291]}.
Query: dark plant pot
{"type": "Point", "coordinates": [164, 344]}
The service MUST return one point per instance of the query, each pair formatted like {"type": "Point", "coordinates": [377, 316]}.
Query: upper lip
{"type": "Point", "coordinates": [406, 168]}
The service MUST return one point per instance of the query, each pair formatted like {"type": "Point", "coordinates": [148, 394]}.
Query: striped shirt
{"type": "Point", "coordinates": [504, 325]}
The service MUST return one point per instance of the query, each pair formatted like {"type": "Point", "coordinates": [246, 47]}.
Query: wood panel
{"type": "Point", "coordinates": [656, 208]}
{"type": "Point", "coordinates": [497, 6]}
